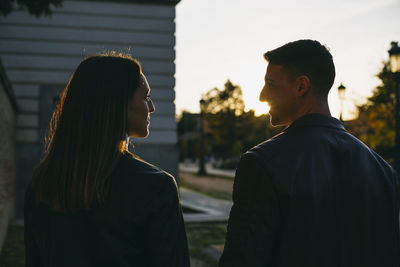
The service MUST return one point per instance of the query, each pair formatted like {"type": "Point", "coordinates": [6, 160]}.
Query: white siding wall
{"type": "Point", "coordinates": [46, 50]}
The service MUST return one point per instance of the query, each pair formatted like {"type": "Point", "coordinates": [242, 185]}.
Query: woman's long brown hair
{"type": "Point", "coordinates": [86, 135]}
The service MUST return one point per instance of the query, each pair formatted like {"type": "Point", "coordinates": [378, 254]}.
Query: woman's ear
{"type": "Point", "coordinates": [303, 85]}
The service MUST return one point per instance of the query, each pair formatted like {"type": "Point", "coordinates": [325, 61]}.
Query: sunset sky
{"type": "Point", "coordinates": [218, 40]}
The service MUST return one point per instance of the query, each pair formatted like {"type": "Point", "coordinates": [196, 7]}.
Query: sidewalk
{"type": "Point", "coordinates": [201, 208]}
{"type": "Point", "coordinates": [193, 168]}
{"type": "Point", "coordinates": [198, 207]}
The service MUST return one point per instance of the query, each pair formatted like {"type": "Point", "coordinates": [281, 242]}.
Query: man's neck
{"type": "Point", "coordinates": [316, 106]}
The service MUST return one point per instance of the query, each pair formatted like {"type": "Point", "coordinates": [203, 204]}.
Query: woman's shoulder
{"type": "Point", "coordinates": [131, 169]}
{"type": "Point", "coordinates": [134, 164]}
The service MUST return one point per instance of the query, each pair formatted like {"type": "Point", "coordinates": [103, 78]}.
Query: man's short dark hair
{"type": "Point", "coordinates": [306, 57]}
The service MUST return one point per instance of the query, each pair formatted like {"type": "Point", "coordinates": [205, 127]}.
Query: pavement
{"type": "Point", "coordinates": [198, 207]}
{"type": "Point", "coordinates": [193, 167]}
{"type": "Point", "coordinates": [201, 208]}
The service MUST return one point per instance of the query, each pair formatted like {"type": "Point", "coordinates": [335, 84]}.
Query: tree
{"type": "Point", "coordinates": [375, 125]}
{"type": "Point", "coordinates": [230, 99]}
{"type": "Point", "coordinates": [256, 129]}
{"type": "Point", "coordinates": [188, 135]}
{"type": "Point", "coordinates": [35, 7]}
{"type": "Point", "coordinates": [223, 122]}
{"type": "Point", "coordinates": [230, 130]}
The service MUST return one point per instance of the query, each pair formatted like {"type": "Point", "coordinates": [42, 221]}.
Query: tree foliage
{"type": "Point", "coordinates": [375, 125]}
{"type": "Point", "coordinates": [228, 100]}
{"type": "Point", "coordinates": [35, 7]}
{"type": "Point", "coordinates": [224, 121]}
{"type": "Point", "coordinates": [229, 129]}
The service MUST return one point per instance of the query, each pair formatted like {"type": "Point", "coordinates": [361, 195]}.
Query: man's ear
{"type": "Point", "coordinates": [303, 85]}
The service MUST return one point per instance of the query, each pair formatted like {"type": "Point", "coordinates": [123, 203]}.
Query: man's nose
{"type": "Point", "coordinates": [263, 97]}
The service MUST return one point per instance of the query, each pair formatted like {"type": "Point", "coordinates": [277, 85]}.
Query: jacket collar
{"type": "Point", "coordinates": [316, 119]}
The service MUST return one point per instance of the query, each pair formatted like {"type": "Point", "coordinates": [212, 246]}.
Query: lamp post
{"type": "Point", "coordinates": [202, 168]}
{"type": "Point", "coordinates": [394, 59]}
{"type": "Point", "coordinates": [341, 91]}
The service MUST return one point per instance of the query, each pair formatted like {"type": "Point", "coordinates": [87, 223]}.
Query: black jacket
{"type": "Point", "coordinates": [140, 224]}
{"type": "Point", "coordinates": [313, 196]}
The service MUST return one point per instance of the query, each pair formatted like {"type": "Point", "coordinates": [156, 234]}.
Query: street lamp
{"type": "Point", "coordinates": [202, 168]}
{"type": "Point", "coordinates": [341, 91]}
{"type": "Point", "coordinates": [394, 59]}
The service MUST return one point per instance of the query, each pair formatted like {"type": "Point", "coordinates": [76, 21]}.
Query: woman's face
{"type": "Point", "coordinates": [139, 109]}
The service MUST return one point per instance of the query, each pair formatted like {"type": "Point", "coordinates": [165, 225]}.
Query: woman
{"type": "Point", "coordinates": [90, 202]}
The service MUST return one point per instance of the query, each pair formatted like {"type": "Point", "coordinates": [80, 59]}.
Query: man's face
{"type": "Point", "coordinates": [279, 91]}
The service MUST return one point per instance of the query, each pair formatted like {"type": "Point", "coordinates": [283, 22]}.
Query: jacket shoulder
{"type": "Point", "coordinates": [132, 165]}
{"type": "Point", "coordinates": [134, 175]}
{"type": "Point", "coordinates": [267, 149]}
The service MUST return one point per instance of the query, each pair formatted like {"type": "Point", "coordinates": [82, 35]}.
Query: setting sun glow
{"type": "Point", "coordinates": [210, 51]}
{"type": "Point", "coordinates": [259, 108]}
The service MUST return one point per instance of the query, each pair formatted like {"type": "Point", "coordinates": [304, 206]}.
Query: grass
{"type": "Point", "coordinates": [220, 177]}
{"type": "Point", "coordinates": [210, 175]}
{"type": "Point", "coordinates": [203, 235]}
{"type": "Point", "coordinates": [211, 193]}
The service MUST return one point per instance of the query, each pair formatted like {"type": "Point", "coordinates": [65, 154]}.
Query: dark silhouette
{"type": "Point", "coordinates": [90, 201]}
{"type": "Point", "coordinates": [313, 195]}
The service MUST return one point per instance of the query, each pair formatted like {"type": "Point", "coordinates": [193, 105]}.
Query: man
{"type": "Point", "coordinates": [313, 195]}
